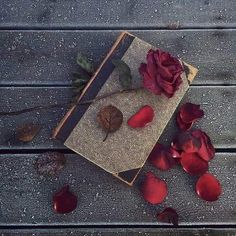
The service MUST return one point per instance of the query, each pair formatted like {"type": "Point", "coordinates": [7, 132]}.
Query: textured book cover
{"type": "Point", "coordinates": [125, 152]}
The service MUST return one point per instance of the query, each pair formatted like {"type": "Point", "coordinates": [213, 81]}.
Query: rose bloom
{"type": "Point", "coordinates": [162, 73]}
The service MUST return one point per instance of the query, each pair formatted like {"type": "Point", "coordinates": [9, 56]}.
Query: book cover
{"type": "Point", "coordinates": [125, 151]}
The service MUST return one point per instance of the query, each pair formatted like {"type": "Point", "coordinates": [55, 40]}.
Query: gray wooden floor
{"type": "Point", "coordinates": [39, 41]}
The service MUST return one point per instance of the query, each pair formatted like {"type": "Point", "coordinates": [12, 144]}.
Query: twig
{"type": "Point", "coordinates": [26, 110]}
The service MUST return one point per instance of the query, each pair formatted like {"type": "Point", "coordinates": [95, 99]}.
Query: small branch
{"type": "Point", "coordinates": [14, 113]}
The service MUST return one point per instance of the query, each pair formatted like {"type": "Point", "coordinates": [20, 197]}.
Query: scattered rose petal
{"type": "Point", "coordinates": [141, 118]}
{"type": "Point", "coordinates": [168, 215]}
{"type": "Point", "coordinates": [161, 157]}
{"type": "Point", "coordinates": [206, 151]}
{"type": "Point", "coordinates": [188, 114]}
{"type": "Point", "coordinates": [64, 201]}
{"type": "Point", "coordinates": [186, 142]}
{"type": "Point", "coordinates": [50, 163]}
{"type": "Point", "coordinates": [175, 154]}
{"type": "Point", "coordinates": [162, 73]}
{"type": "Point", "coordinates": [154, 190]}
{"type": "Point", "coordinates": [193, 164]}
{"type": "Point", "coordinates": [27, 132]}
{"type": "Point", "coordinates": [208, 187]}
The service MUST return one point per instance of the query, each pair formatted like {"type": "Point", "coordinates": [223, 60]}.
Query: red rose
{"type": "Point", "coordinates": [154, 190]}
{"type": "Point", "coordinates": [188, 114]}
{"type": "Point", "coordinates": [162, 73]}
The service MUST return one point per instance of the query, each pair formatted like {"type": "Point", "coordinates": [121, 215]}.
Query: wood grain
{"type": "Point", "coordinates": [218, 102]}
{"type": "Point", "coordinates": [26, 198]}
{"type": "Point", "coordinates": [49, 57]}
{"type": "Point", "coordinates": [119, 231]}
{"type": "Point", "coordinates": [122, 14]}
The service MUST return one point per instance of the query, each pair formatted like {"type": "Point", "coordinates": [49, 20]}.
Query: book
{"type": "Point", "coordinates": [125, 151]}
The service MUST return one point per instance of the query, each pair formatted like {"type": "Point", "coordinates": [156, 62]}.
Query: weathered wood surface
{"type": "Point", "coordinates": [218, 102]}
{"type": "Point", "coordinates": [49, 57]}
{"type": "Point", "coordinates": [26, 198]}
{"type": "Point", "coordinates": [121, 14]}
{"type": "Point", "coordinates": [120, 231]}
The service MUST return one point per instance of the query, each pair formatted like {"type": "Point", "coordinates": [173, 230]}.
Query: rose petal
{"type": "Point", "coordinates": [190, 112]}
{"type": "Point", "coordinates": [161, 157]}
{"type": "Point", "coordinates": [182, 125]}
{"type": "Point", "coordinates": [186, 142]}
{"type": "Point", "coordinates": [193, 164]}
{"type": "Point", "coordinates": [175, 154]}
{"type": "Point", "coordinates": [168, 215]}
{"type": "Point", "coordinates": [142, 118]}
{"type": "Point", "coordinates": [64, 201]}
{"type": "Point", "coordinates": [208, 187]}
{"type": "Point", "coordinates": [154, 190]}
{"type": "Point", "coordinates": [206, 151]}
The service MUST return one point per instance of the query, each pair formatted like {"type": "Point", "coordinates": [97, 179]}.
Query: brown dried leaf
{"type": "Point", "coordinates": [110, 119]}
{"type": "Point", "coordinates": [27, 132]}
{"type": "Point", "coordinates": [50, 163]}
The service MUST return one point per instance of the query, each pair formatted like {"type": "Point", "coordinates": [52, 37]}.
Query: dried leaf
{"type": "Point", "coordinates": [50, 163]}
{"type": "Point", "coordinates": [125, 76]}
{"type": "Point", "coordinates": [27, 132]}
{"type": "Point", "coordinates": [84, 63]}
{"type": "Point", "coordinates": [110, 119]}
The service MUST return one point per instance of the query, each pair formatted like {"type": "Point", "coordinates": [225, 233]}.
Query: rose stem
{"type": "Point", "coordinates": [14, 113]}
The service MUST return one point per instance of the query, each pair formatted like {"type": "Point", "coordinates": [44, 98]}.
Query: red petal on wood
{"type": "Point", "coordinates": [169, 215]}
{"type": "Point", "coordinates": [208, 187]}
{"type": "Point", "coordinates": [161, 157]}
{"type": "Point", "coordinates": [206, 151]}
{"type": "Point", "coordinates": [142, 118]}
{"type": "Point", "coordinates": [64, 201]}
{"type": "Point", "coordinates": [186, 142]}
{"type": "Point", "coordinates": [193, 164]}
{"type": "Point", "coordinates": [154, 190]}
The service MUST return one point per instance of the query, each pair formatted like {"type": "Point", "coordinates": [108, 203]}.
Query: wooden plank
{"type": "Point", "coordinates": [26, 198]}
{"type": "Point", "coordinates": [49, 57]}
{"type": "Point", "coordinates": [120, 231]}
{"type": "Point", "coordinates": [110, 14]}
{"type": "Point", "coordinates": [218, 103]}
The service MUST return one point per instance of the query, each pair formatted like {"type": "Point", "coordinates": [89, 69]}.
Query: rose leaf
{"type": "Point", "coordinates": [125, 76]}
{"type": "Point", "coordinates": [110, 119]}
{"type": "Point", "coordinates": [84, 63]}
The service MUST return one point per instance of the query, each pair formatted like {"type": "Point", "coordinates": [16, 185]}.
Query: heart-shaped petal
{"type": "Point", "coordinates": [141, 118]}
{"type": "Point", "coordinates": [64, 201]}
{"type": "Point", "coordinates": [154, 190]}
{"type": "Point", "coordinates": [208, 187]}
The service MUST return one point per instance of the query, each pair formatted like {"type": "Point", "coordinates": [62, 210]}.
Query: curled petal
{"type": "Point", "coordinates": [188, 114]}
{"type": "Point", "coordinates": [154, 190]}
{"type": "Point", "coordinates": [64, 201]}
{"type": "Point", "coordinates": [161, 157]}
{"type": "Point", "coordinates": [186, 142]}
{"type": "Point", "coordinates": [142, 118]}
{"type": "Point", "coordinates": [193, 164]}
{"type": "Point", "coordinates": [208, 187]}
{"type": "Point", "coordinates": [168, 215]}
{"type": "Point", "coordinates": [206, 151]}
{"type": "Point", "coordinates": [175, 154]}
